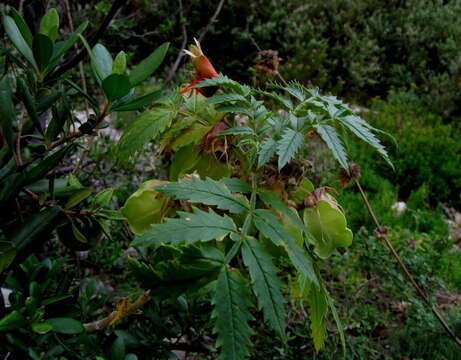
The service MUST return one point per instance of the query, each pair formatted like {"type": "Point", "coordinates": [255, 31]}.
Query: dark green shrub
{"type": "Point", "coordinates": [355, 48]}
{"type": "Point", "coordinates": [428, 152]}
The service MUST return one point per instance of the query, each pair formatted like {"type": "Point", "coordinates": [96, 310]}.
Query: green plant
{"type": "Point", "coordinates": [34, 144]}
{"type": "Point", "coordinates": [356, 49]}
{"type": "Point", "coordinates": [232, 230]}
{"type": "Point", "coordinates": [39, 132]}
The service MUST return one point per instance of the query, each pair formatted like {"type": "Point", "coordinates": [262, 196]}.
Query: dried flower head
{"type": "Point", "coordinates": [347, 177]}
{"type": "Point", "coordinates": [267, 61]}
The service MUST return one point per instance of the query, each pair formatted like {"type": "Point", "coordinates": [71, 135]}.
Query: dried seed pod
{"type": "Point", "coordinates": [311, 134]}
{"type": "Point", "coordinates": [317, 195]}
{"type": "Point", "coordinates": [354, 174]}
{"type": "Point", "coordinates": [267, 61]}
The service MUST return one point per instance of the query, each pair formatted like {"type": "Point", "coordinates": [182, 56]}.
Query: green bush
{"type": "Point", "coordinates": [428, 152]}
{"type": "Point", "coordinates": [368, 47]}
{"type": "Point", "coordinates": [354, 48]}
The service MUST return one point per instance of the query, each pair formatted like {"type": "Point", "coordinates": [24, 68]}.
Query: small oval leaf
{"type": "Point", "coordinates": [103, 198]}
{"type": "Point", "coordinates": [7, 254]}
{"type": "Point", "coordinates": [12, 321]}
{"type": "Point", "coordinates": [66, 325]}
{"type": "Point", "coordinates": [49, 25]}
{"type": "Point", "coordinates": [22, 26]}
{"type": "Point", "coordinates": [116, 86]}
{"type": "Point", "coordinates": [41, 328]}
{"type": "Point", "coordinates": [148, 65]}
{"type": "Point", "coordinates": [77, 198]}
{"type": "Point", "coordinates": [103, 60]}
{"type": "Point", "coordinates": [18, 40]}
{"type": "Point", "coordinates": [119, 65]}
{"type": "Point", "coordinates": [140, 102]}
{"type": "Point", "coordinates": [42, 49]}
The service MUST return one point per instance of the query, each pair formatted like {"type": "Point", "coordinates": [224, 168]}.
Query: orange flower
{"type": "Point", "coordinates": [203, 70]}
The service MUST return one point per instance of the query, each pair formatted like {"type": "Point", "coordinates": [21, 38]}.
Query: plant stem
{"type": "Point", "coordinates": [18, 147]}
{"type": "Point", "coordinates": [78, 133]}
{"type": "Point", "coordinates": [381, 234]}
{"type": "Point", "coordinates": [246, 225]}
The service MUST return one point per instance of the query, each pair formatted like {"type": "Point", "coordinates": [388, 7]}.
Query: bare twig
{"type": "Point", "coordinates": [381, 234]}
{"type": "Point", "coordinates": [78, 133]}
{"type": "Point", "coordinates": [83, 213]}
{"type": "Point", "coordinates": [115, 315]}
{"type": "Point", "coordinates": [128, 35]}
{"type": "Point", "coordinates": [83, 156]}
{"type": "Point", "coordinates": [212, 20]}
{"type": "Point", "coordinates": [174, 68]}
{"type": "Point", "coordinates": [80, 65]}
{"type": "Point", "coordinates": [21, 6]}
{"type": "Point", "coordinates": [31, 194]}
{"type": "Point", "coordinates": [282, 79]}
{"type": "Point", "coordinates": [19, 210]}
{"type": "Point", "coordinates": [176, 63]}
{"type": "Point", "coordinates": [255, 43]}
{"type": "Point", "coordinates": [64, 140]}
{"type": "Point", "coordinates": [18, 147]}
{"type": "Point", "coordinates": [75, 59]}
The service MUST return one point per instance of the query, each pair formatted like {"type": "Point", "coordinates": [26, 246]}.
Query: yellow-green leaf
{"type": "Point", "coordinates": [143, 208]}
{"type": "Point", "coordinates": [328, 227]}
{"type": "Point", "coordinates": [49, 25]}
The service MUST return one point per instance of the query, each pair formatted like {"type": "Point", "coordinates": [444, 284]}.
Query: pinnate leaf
{"type": "Point", "coordinates": [227, 83]}
{"type": "Point", "coordinates": [187, 229]}
{"type": "Point", "coordinates": [223, 98]}
{"type": "Point", "coordinates": [270, 198]}
{"type": "Point", "coordinates": [337, 320]}
{"type": "Point", "coordinates": [145, 127]}
{"type": "Point", "coordinates": [268, 224]}
{"type": "Point", "coordinates": [363, 131]}
{"type": "Point", "coordinates": [268, 148]}
{"type": "Point", "coordinates": [208, 192]}
{"type": "Point", "coordinates": [282, 99]}
{"type": "Point", "coordinates": [318, 308]}
{"type": "Point", "coordinates": [288, 146]}
{"type": "Point", "coordinates": [231, 302]}
{"type": "Point", "coordinates": [236, 185]}
{"type": "Point", "coordinates": [239, 130]}
{"type": "Point", "coordinates": [233, 108]}
{"type": "Point", "coordinates": [332, 140]}
{"type": "Point", "coordinates": [139, 102]}
{"type": "Point", "coordinates": [267, 285]}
